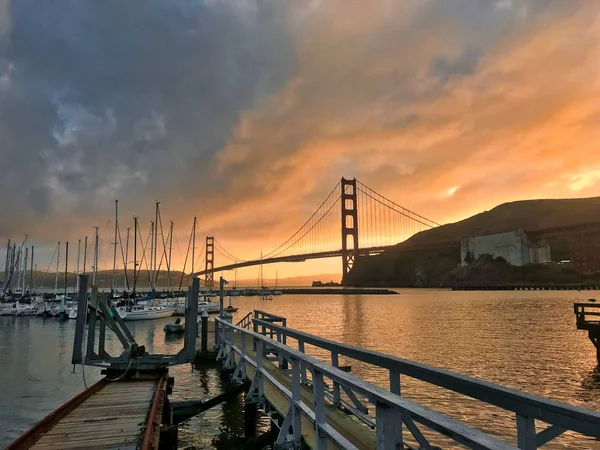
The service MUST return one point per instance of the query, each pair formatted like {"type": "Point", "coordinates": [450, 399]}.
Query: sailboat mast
{"type": "Point", "coordinates": [78, 255]}
{"type": "Point", "coordinates": [155, 244]}
{"type": "Point", "coordinates": [31, 276]}
{"type": "Point", "coordinates": [66, 264]}
{"type": "Point", "coordinates": [135, 229]}
{"type": "Point", "coordinates": [151, 255]}
{"type": "Point", "coordinates": [193, 248]}
{"type": "Point", "coordinates": [95, 257]}
{"type": "Point", "coordinates": [57, 268]}
{"type": "Point", "coordinates": [126, 280]}
{"type": "Point", "coordinates": [114, 274]}
{"type": "Point", "coordinates": [170, 253]}
{"type": "Point", "coordinates": [19, 267]}
{"type": "Point", "coordinates": [84, 255]}
{"type": "Point", "coordinates": [25, 270]}
{"type": "Point", "coordinates": [7, 265]}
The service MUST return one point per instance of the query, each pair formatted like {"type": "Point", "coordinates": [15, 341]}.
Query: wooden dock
{"type": "Point", "coordinates": [319, 405]}
{"type": "Point", "coordinates": [119, 414]}
{"type": "Point", "coordinates": [360, 435]}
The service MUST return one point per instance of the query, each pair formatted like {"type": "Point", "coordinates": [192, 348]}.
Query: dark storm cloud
{"type": "Point", "coordinates": [124, 99]}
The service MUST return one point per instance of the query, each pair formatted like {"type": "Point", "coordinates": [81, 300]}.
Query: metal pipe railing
{"type": "Point", "coordinates": [527, 407]}
{"type": "Point", "coordinates": [391, 409]}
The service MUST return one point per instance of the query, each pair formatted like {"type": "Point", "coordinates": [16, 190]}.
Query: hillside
{"type": "Point", "coordinates": [104, 279]}
{"type": "Point", "coordinates": [433, 268]}
{"type": "Point", "coordinates": [530, 215]}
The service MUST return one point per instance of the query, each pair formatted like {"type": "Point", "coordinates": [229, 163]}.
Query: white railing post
{"type": "Point", "coordinates": [386, 423]}
{"type": "Point", "coordinates": [296, 398]}
{"type": "Point", "coordinates": [259, 368]}
{"type": "Point", "coordinates": [395, 382]}
{"type": "Point", "coordinates": [285, 325]}
{"type": "Point", "coordinates": [396, 389]}
{"type": "Point", "coordinates": [240, 370]}
{"type": "Point", "coordinates": [255, 329]}
{"type": "Point", "coordinates": [280, 359]}
{"type": "Point", "coordinates": [303, 369]}
{"type": "Point", "coordinates": [231, 356]}
{"type": "Point", "coordinates": [336, 386]}
{"type": "Point", "coordinates": [526, 438]}
{"type": "Point", "coordinates": [319, 402]}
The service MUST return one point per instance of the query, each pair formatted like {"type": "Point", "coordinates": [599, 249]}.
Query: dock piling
{"type": "Point", "coordinates": [204, 341]}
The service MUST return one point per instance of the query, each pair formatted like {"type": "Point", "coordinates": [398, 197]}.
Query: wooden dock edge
{"type": "Point", "coordinates": [31, 436]}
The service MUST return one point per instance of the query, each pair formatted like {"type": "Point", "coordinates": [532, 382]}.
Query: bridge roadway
{"type": "Point", "coordinates": [404, 247]}
{"type": "Point", "coordinates": [109, 414]}
{"type": "Point", "coordinates": [448, 243]}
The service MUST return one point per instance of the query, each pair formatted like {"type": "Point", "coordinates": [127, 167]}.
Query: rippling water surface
{"type": "Point", "coordinates": [524, 340]}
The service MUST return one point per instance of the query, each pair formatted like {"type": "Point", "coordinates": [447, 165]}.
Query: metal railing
{"type": "Point", "coordinates": [587, 314]}
{"type": "Point", "coordinates": [246, 321]}
{"type": "Point", "coordinates": [528, 408]}
{"type": "Point", "coordinates": [391, 409]}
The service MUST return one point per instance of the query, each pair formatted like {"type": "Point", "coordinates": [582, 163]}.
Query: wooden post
{"type": "Point", "coordinates": [204, 332]}
{"type": "Point", "coordinates": [249, 419]}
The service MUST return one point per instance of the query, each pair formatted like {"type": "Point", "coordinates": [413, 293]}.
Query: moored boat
{"type": "Point", "coordinates": [176, 327]}
{"type": "Point", "coordinates": [145, 312]}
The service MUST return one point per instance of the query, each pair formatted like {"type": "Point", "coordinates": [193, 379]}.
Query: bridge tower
{"type": "Point", "coordinates": [209, 261]}
{"type": "Point", "coordinates": [349, 225]}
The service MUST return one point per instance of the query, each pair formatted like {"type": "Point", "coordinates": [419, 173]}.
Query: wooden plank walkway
{"type": "Point", "coordinates": [108, 415]}
{"type": "Point", "coordinates": [356, 432]}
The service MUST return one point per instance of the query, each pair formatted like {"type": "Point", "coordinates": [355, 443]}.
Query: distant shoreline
{"type": "Point", "coordinates": [341, 290]}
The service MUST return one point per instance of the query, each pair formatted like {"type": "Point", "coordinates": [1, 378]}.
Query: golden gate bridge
{"type": "Point", "coordinates": [367, 223]}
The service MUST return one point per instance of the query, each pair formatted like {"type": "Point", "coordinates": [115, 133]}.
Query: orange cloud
{"type": "Point", "coordinates": [520, 121]}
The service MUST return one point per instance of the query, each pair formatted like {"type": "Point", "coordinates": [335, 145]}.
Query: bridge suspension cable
{"type": "Point", "coordinates": [379, 221]}
{"type": "Point", "coordinates": [312, 235]}
{"type": "Point", "coordinates": [222, 251]}
{"type": "Point", "coordinates": [383, 222]}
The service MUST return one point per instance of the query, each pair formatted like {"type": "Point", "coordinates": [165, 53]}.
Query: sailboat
{"type": "Point", "coordinates": [276, 292]}
{"type": "Point", "coordinates": [265, 294]}
{"type": "Point", "coordinates": [234, 292]}
{"type": "Point", "coordinates": [146, 312]}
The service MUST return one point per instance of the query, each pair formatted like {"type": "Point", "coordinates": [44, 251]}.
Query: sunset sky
{"type": "Point", "coordinates": [246, 113]}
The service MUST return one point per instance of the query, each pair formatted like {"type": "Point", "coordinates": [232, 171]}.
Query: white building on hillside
{"type": "Point", "coordinates": [513, 246]}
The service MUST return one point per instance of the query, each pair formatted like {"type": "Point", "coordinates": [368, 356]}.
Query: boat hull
{"type": "Point", "coordinates": [149, 314]}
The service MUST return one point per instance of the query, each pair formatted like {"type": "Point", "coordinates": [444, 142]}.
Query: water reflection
{"type": "Point", "coordinates": [526, 340]}
{"type": "Point", "coordinates": [354, 320]}
{"type": "Point", "coordinates": [590, 383]}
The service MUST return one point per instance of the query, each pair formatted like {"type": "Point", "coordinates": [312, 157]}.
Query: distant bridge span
{"type": "Point", "coordinates": [404, 247]}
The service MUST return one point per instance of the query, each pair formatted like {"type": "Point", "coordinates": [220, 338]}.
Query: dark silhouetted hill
{"type": "Point", "coordinates": [434, 268]}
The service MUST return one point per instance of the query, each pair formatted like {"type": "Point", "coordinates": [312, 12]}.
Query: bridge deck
{"type": "Point", "coordinates": [357, 433]}
{"type": "Point", "coordinates": [106, 415]}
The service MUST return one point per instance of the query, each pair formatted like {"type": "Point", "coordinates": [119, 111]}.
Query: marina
{"type": "Point", "coordinates": [321, 340]}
